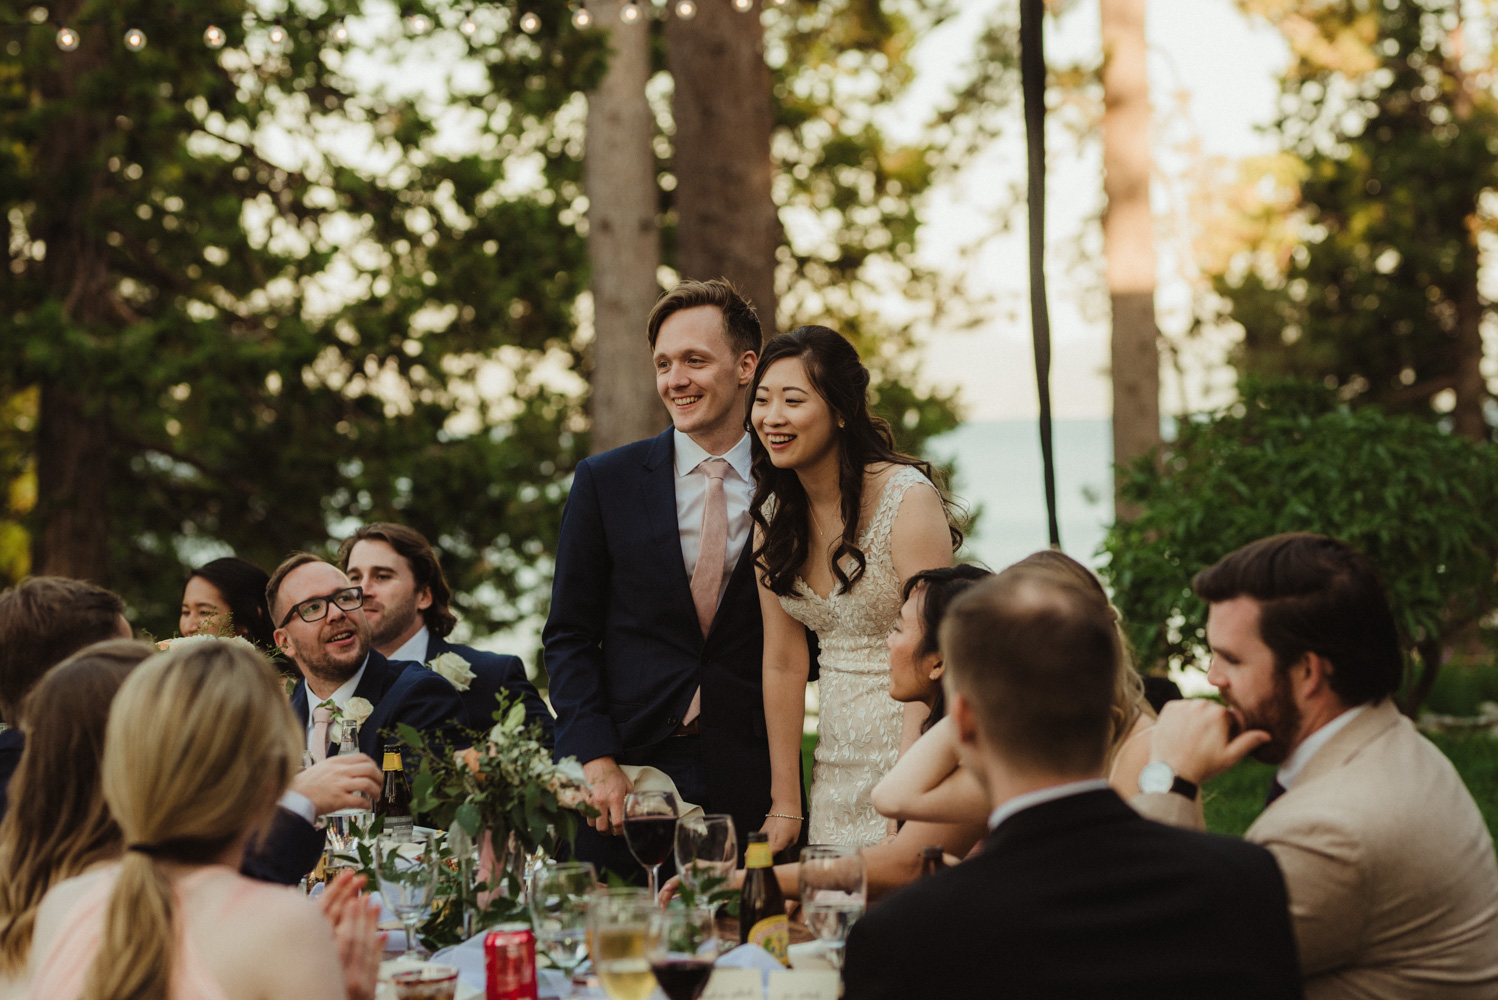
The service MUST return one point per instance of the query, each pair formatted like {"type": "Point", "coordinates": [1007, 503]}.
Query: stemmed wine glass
{"type": "Point", "coordinates": [406, 884]}
{"type": "Point", "coordinates": [834, 888]}
{"type": "Point", "coordinates": [617, 922]}
{"type": "Point", "coordinates": [650, 830]}
{"type": "Point", "coordinates": [682, 945]}
{"type": "Point", "coordinates": [559, 909]}
{"type": "Point", "coordinates": [706, 847]}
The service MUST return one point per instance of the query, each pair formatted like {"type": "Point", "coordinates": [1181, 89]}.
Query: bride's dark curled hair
{"type": "Point", "coordinates": [839, 377]}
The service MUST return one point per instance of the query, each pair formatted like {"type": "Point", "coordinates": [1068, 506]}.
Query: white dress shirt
{"type": "Point", "coordinates": [1019, 803]}
{"type": "Point", "coordinates": [1301, 755]}
{"type": "Point", "coordinates": [691, 499]}
{"type": "Point", "coordinates": [414, 648]}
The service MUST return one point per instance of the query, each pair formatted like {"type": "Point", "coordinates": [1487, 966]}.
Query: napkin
{"type": "Point", "coordinates": [651, 779]}
{"type": "Point", "coordinates": [751, 956]}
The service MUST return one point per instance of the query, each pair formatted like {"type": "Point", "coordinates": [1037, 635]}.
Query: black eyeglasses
{"type": "Point", "coordinates": [315, 609]}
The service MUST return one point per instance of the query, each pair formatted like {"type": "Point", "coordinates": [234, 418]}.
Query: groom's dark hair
{"type": "Point", "coordinates": [740, 322]}
{"type": "Point", "coordinates": [1037, 658]}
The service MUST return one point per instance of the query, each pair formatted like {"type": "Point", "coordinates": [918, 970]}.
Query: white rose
{"type": "Point", "coordinates": [357, 709]}
{"type": "Point", "coordinates": [454, 668]}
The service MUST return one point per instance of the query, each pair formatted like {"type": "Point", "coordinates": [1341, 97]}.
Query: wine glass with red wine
{"type": "Point", "coordinates": [681, 945]}
{"type": "Point", "coordinates": [650, 830]}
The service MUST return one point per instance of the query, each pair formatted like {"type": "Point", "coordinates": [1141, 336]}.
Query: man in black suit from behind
{"type": "Point", "coordinates": [406, 602]}
{"type": "Point", "coordinates": [1074, 895]}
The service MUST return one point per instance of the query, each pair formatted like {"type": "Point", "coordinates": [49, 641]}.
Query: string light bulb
{"type": "Point", "coordinates": [686, 9]}
{"type": "Point", "coordinates": [67, 39]}
{"type": "Point", "coordinates": [530, 22]}
{"type": "Point", "coordinates": [418, 24]}
{"type": "Point", "coordinates": [630, 12]}
{"type": "Point", "coordinates": [778, 3]}
{"type": "Point", "coordinates": [214, 37]}
{"type": "Point", "coordinates": [340, 33]}
{"type": "Point", "coordinates": [277, 35]}
{"type": "Point", "coordinates": [580, 17]}
{"type": "Point", "coordinates": [135, 39]}
{"type": "Point", "coordinates": [743, 6]}
{"type": "Point", "coordinates": [469, 27]}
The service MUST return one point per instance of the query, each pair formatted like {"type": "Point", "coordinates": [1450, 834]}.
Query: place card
{"type": "Point", "coordinates": [803, 984]}
{"type": "Point", "coordinates": [735, 984]}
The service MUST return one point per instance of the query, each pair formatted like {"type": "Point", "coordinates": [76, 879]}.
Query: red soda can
{"type": "Point", "coordinates": [510, 963]}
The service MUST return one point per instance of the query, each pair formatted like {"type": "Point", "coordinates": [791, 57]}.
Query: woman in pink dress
{"type": "Point", "coordinates": [199, 747]}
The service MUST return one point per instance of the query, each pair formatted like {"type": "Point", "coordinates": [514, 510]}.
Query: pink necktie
{"type": "Point", "coordinates": [318, 746]}
{"type": "Point", "coordinates": [712, 553]}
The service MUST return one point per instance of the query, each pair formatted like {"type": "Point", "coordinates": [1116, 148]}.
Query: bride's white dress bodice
{"type": "Point", "coordinates": [858, 732]}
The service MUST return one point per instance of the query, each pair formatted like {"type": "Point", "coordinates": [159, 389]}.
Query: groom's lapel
{"type": "Point", "coordinates": [665, 533]}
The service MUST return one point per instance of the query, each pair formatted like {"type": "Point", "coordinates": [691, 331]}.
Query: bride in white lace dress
{"type": "Point", "coordinates": [841, 521]}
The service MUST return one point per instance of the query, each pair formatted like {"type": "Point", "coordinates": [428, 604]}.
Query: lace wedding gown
{"type": "Point", "coordinates": [858, 734]}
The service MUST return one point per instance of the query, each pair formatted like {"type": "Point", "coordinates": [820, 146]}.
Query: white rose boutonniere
{"type": "Point", "coordinates": [454, 668]}
{"type": "Point", "coordinates": [355, 710]}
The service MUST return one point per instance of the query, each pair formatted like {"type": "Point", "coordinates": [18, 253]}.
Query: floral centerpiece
{"type": "Point", "coordinates": [503, 795]}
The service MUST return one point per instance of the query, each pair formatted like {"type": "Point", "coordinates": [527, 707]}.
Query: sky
{"type": "Point", "coordinates": [1213, 84]}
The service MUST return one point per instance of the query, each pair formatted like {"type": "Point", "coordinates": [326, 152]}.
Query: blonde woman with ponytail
{"type": "Point", "coordinates": [200, 745]}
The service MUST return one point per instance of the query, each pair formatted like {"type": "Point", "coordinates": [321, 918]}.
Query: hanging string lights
{"type": "Point", "coordinates": [68, 38]}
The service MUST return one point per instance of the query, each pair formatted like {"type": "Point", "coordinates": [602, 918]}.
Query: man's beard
{"type": "Point", "coordinates": [1277, 715]}
{"type": "Point", "coordinates": [395, 620]}
{"type": "Point", "coordinates": [317, 661]}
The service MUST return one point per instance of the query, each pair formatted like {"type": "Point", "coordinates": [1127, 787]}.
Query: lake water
{"type": "Point", "coordinates": [999, 472]}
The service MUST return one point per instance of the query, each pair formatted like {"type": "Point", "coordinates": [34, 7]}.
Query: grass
{"type": "Point", "coordinates": [1233, 800]}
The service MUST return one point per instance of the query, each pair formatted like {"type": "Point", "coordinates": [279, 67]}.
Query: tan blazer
{"type": "Point", "coordinates": [1390, 869]}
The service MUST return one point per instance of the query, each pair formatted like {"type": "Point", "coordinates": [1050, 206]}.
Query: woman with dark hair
{"type": "Point", "coordinates": [929, 785]}
{"type": "Point", "coordinates": [231, 593]}
{"type": "Point", "coordinates": [915, 663]}
{"type": "Point", "coordinates": [842, 520]}
{"type": "Point", "coordinates": [58, 825]}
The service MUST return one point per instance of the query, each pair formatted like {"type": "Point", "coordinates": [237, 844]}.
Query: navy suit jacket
{"type": "Point", "coordinates": [399, 692]}
{"type": "Point", "coordinates": [624, 650]}
{"type": "Point", "coordinates": [494, 673]}
{"type": "Point", "coordinates": [1081, 898]}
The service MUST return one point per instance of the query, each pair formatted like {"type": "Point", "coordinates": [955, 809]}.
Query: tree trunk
{"type": "Point", "coordinates": [73, 518]}
{"type": "Point", "coordinates": [727, 225]}
{"type": "Point", "coordinates": [1471, 388]}
{"type": "Point", "coordinates": [623, 239]}
{"type": "Point", "coordinates": [1128, 234]}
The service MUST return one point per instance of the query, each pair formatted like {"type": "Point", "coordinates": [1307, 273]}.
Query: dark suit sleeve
{"type": "Point", "coordinates": [873, 966]}
{"type": "Point", "coordinates": [287, 850]}
{"type": "Point", "coordinates": [510, 675]}
{"type": "Point", "coordinates": [573, 637]}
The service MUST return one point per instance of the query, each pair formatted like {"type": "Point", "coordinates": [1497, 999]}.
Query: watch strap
{"type": "Point", "coordinates": [1180, 786]}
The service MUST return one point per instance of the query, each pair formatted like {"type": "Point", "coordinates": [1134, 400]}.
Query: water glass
{"type": "Point", "coordinates": [834, 890]}
{"type": "Point", "coordinates": [407, 884]}
{"type": "Point", "coordinates": [559, 896]}
{"type": "Point", "coordinates": [707, 851]}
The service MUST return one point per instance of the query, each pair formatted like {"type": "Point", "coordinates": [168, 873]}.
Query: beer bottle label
{"type": "Point", "coordinates": [758, 856]}
{"type": "Point", "coordinates": [393, 762]}
{"type": "Point", "coordinates": [773, 935]}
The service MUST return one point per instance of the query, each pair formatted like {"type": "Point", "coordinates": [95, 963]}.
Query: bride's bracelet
{"type": "Point", "coordinates": [798, 819]}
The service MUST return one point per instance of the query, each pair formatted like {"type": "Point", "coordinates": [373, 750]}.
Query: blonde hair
{"type": "Point", "coordinates": [1128, 689]}
{"type": "Point", "coordinates": [57, 824]}
{"type": "Point", "coordinates": [200, 744]}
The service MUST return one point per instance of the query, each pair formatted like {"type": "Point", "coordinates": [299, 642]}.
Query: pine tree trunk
{"type": "Point", "coordinates": [72, 537]}
{"type": "Point", "coordinates": [727, 225]}
{"type": "Point", "coordinates": [1128, 234]}
{"type": "Point", "coordinates": [1471, 388]}
{"type": "Point", "coordinates": [623, 239]}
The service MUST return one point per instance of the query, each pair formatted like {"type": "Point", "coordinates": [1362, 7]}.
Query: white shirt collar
{"type": "Point", "coordinates": [414, 648]}
{"type": "Point", "coordinates": [1022, 802]}
{"type": "Point", "coordinates": [690, 454]}
{"type": "Point", "coordinates": [1301, 755]}
{"type": "Point", "coordinates": [339, 697]}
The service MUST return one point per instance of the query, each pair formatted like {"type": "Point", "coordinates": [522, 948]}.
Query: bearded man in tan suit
{"type": "Point", "coordinates": [1390, 869]}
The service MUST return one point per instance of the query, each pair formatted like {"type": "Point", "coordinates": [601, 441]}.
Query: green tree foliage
{"type": "Point", "coordinates": [290, 302]}
{"type": "Point", "coordinates": [1371, 282]}
{"type": "Point", "coordinates": [1291, 457]}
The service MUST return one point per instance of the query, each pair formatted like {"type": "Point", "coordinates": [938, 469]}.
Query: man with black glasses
{"type": "Point", "coordinates": [320, 625]}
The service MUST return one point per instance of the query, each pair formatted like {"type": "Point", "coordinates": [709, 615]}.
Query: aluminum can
{"type": "Point", "coordinates": [510, 963]}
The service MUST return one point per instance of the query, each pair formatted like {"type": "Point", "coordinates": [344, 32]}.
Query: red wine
{"type": "Point", "coordinates": [650, 838]}
{"type": "Point", "coordinates": [683, 979]}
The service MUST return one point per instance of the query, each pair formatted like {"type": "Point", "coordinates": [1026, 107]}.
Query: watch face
{"type": "Point", "coordinates": [1156, 776]}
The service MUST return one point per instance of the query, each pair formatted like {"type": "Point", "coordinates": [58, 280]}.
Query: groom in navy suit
{"type": "Point", "coordinates": [406, 600]}
{"type": "Point", "coordinates": [654, 642]}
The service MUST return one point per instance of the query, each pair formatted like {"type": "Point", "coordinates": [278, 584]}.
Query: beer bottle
{"type": "Point", "coordinates": [931, 860]}
{"type": "Point", "coordinates": [762, 919]}
{"type": "Point", "coordinates": [395, 800]}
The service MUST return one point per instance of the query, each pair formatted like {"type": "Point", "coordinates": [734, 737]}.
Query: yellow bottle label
{"type": "Point", "coordinates": [393, 762]}
{"type": "Point", "coordinates": [773, 935]}
{"type": "Point", "coordinates": [758, 856]}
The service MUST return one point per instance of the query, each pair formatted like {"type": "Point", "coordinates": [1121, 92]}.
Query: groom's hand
{"type": "Point", "coordinates": [608, 786]}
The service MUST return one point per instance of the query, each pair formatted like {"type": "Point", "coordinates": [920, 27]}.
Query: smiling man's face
{"type": "Point", "coordinates": [700, 378]}
{"type": "Point", "coordinates": [328, 651]}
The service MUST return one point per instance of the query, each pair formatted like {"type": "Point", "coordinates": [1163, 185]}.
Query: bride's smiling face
{"type": "Point", "coordinates": [792, 420]}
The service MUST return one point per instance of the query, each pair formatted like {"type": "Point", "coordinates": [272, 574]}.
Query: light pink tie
{"type": "Point", "coordinates": [712, 553]}
{"type": "Point", "coordinates": [318, 746]}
